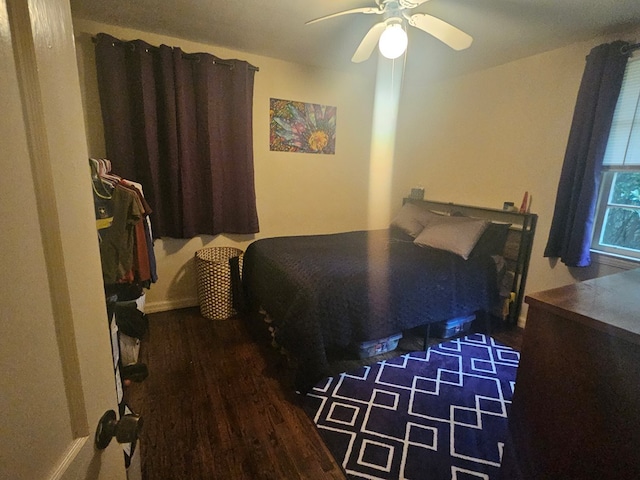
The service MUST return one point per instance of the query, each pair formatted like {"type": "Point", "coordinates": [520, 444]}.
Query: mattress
{"type": "Point", "coordinates": [335, 290]}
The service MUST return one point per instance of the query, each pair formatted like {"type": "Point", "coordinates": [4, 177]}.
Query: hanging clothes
{"type": "Point", "coordinates": [117, 241]}
{"type": "Point", "coordinates": [144, 256]}
{"type": "Point", "coordinates": [122, 220]}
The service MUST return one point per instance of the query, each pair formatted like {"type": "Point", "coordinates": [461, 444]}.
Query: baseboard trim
{"type": "Point", "coordinates": [166, 305]}
{"type": "Point", "coordinates": [522, 321]}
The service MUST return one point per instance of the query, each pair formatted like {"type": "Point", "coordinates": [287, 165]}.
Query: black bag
{"type": "Point", "coordinates": [130, 320]}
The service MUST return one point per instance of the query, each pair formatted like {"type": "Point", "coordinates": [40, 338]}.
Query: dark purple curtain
{"type": "Point", "coordinates": [570, 235]}
{"type": "Point", "coordinates": [182, 126]}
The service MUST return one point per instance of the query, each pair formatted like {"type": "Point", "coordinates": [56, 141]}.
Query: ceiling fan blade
{"type": "Point", "coordinates": [411, 3]}
{"type": "Point", "coordinates": [368, 43]}
{"type": "Point", "coordinates": [346, 12]}
{"type": "Point", "coordinates": [443, 31]}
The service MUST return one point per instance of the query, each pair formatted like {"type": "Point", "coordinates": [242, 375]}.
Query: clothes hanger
{"type": "Point", "coordinates": [101, 186]}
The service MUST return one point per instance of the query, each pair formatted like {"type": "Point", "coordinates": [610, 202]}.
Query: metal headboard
{"type": "Point", "coordinates": [519, 243]}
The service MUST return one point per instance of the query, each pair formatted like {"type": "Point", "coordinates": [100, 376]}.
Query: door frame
{"type": "Point", "coordinates": [48, 105]}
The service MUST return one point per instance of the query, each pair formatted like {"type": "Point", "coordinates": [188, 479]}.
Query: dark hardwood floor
{"type": "Point", "coordinates": [219, 403]}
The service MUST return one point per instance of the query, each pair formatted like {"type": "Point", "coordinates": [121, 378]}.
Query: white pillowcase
{"type": "Point", "coordinates": [455, 234]}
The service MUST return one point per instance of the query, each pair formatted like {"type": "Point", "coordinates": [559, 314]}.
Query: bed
{"type": "Point", "coordinates": [436, 261]}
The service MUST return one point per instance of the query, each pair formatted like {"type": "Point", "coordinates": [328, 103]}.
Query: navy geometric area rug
{"type": "Point", "coordinates": [439, 414]}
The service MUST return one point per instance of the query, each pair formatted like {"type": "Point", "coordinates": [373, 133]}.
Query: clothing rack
{"type": "Point", "coordinates": [124, 294]}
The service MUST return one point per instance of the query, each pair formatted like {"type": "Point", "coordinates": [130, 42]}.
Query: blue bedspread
{"type": "Point", "coordinates": [328, 291]}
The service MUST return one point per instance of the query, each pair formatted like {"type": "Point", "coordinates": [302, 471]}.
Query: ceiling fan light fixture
{"type": "Point", "coordinates": [393, 41]}
{"type": "Point", "coordinates": [390, 33]}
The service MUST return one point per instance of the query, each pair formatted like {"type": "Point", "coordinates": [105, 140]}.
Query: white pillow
{"type": "Point", "coordinates": [412, 219]}
{"type": "Point", "coordinates": [455, 234]}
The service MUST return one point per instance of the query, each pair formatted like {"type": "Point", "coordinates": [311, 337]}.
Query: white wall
{"type": "Point", "coordinates": [478, 139]}
{"type": "Point", "coordinates": [487, 137]}
{"type": "Point", "coordinates": [296, 193]}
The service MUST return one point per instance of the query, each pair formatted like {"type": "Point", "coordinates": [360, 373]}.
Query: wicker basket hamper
{"type": "Point", "coordinates": [215, 294]}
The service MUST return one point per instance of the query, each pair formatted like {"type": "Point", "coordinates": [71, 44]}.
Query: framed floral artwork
{"type": "Point", "coordinates": [302, 127]}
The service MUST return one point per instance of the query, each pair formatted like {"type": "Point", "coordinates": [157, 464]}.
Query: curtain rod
{"type": "Point", "coordinates": [191, 56]}
{"type": "Point", "coordinates": [629, 48]}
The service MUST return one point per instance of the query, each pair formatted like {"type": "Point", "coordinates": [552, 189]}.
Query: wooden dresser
{"type": "Point", "coordinates": [576, 406]}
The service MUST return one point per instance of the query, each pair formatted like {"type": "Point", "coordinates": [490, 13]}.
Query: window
{"type": "Point", "coordinates": [617, 222]}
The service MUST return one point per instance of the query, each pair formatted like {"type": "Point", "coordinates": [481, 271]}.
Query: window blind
{"type": "Point", "coordinates": [623, 147]}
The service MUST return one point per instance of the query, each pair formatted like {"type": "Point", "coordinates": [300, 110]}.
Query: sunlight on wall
{"type": "Point", "coordinates": [383, 138]}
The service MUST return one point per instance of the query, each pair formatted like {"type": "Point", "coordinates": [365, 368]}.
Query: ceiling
{"type": "Point", "coordinates": [503, 30]}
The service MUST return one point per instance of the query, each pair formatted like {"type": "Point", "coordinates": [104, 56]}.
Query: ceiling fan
{"type": "Point", "coordinates": [390, 33]}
